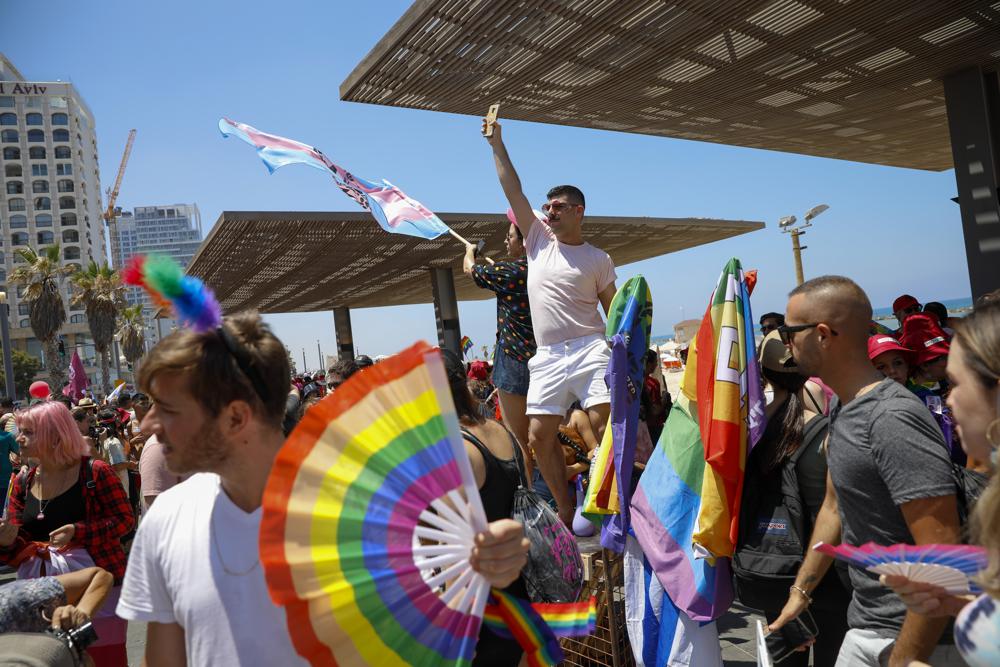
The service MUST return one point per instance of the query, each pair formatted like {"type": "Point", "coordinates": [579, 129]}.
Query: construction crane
{"type": "Point", "coordinates": [111, 213]}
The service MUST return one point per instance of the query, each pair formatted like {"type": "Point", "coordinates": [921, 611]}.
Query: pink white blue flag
{"type": "Point", "coordinates": [394, 211]}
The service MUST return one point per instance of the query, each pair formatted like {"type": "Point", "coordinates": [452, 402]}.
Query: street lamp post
{"type": "Point", "coordinates": [8, 355]}
{"type": "Point", "coordinates": [786, 226]}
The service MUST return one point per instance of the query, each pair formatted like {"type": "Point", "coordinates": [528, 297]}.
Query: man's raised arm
{"type": "Point", "coordinates": [509, 181]}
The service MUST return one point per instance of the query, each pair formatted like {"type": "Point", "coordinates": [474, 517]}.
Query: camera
{"type": "Point", "coordinates": [76, 639]}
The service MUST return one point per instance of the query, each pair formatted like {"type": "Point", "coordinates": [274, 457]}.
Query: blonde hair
{"type": "Point", "coordinates": [979, 336]}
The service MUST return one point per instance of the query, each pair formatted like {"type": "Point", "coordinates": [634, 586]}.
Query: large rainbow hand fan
{"type": "Point", "coordinates": [369, 518]}
{"type": "Point", "coordinates": [371, 472]}
{"type": "Point", "coordinates": [950, 566]}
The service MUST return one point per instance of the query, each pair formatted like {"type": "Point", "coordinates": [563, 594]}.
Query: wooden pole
{"type": "Point", "coordinates": [464, 242]}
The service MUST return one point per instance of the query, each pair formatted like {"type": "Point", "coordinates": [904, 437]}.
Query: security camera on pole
{"type": "Point", "coordinates": [786, 226]}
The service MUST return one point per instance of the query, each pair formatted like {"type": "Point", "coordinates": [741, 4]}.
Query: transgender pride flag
{"type": "Point", "coordinates": [391, 208]}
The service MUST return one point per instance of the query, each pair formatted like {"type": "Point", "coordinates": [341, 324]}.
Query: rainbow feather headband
{"type": "Point", "coordinates": [193, 303]}
{"type": "Point", "coordinates": [187, 297]}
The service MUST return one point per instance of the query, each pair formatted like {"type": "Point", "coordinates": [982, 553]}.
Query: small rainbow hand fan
{"type": "Point", "coordinates": [950, 566]}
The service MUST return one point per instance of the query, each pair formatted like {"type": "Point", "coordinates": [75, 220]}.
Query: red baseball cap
{"type": "Point", "coordinates": [904, 302]}
{"type": "Point", "coordinates": [923, 335]}
{"type": "Point", "coordinates": [881, 344]}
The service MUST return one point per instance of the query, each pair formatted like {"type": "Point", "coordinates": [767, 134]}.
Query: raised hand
{"type": "Point", "coordinates": [495, 139]}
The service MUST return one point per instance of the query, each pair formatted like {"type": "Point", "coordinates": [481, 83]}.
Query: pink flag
{"type": "Point", "coordinates": [78, 383]}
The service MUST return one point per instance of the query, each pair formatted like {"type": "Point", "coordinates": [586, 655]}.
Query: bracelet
{"type": "Point", "coordinates": [801, 591]}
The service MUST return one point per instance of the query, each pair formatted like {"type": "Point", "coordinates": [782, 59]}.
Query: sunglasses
{"type": "Point", "coordinates": [787, 332]}
{"type": "Point", "coordinates": [768, 328]}
{"type": "Point", "coordinates": [557, 207]}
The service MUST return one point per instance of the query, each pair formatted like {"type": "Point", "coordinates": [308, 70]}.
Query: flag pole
{"type": "Point", "coordinates": [464, 242]}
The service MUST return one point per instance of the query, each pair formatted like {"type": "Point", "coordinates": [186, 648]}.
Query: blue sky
{"type": "Point", "coordinates": [170, 70]}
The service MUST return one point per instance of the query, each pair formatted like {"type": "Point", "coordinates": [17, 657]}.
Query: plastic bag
{"type": "Point", "coordinates": [554, 571]}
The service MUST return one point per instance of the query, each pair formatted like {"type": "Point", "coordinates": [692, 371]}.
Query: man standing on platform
{"type": "Point", "coordinates": [567, 277]}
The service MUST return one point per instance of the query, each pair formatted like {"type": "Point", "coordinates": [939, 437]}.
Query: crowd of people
{"type": "Point", "coordinates": [148, 507]}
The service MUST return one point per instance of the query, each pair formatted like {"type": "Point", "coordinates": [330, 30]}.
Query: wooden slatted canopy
{"type": "Point", "coordinates": [285, 262]}
{"type": "Point", "coordinates": [850, 79]}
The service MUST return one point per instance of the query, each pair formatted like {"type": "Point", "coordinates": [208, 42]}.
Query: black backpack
{"type": "Point", "coordinates": [774, 528]}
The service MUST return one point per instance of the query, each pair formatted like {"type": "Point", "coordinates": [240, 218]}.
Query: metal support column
{"type": "Point", "coordinates": [342, 329]}
{"type": "Point", "coordinates": [446, 310]}
{"type": "Point", "coordinates": [972, 98]}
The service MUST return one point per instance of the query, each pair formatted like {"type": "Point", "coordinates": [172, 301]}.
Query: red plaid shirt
{"type": "Point", "coordinates": [108, 518]}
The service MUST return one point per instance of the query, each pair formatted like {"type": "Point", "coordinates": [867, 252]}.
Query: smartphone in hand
{"type": "Point", "coordinates": [491, 117]}
{"type": "Point", "coordinates": [783, 642]}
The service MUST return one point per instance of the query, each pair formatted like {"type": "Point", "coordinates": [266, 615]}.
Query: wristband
{"type": "Point", "coordinates": [801, 591]}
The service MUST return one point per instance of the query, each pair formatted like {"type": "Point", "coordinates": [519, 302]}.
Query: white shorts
{"type": "Point", "coordinates": [569, 371]}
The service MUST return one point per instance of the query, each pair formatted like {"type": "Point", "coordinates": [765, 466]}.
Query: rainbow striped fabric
{"type": "Point", "coordinates": [686, 507]}
{"type": "Point", "coordinates": [344, 512]}
{"type": "Point", "coordinates": [726, 385]}
{"type": "Point", "coordinates": [466, 344]}
{"type": "Point", "coordinates": [394, 211]}
{"type": "Point", "coordinates": [536, 626]}
{"type": "Point", "coordinates": [369, 517]}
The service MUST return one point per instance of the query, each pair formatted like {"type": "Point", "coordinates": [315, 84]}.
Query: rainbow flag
{"type": "Point", "coordinates": [394, 211]}
{"type": "Point", "coordinates": [536, 626]}
{"type": "Point", "coordinates": [726, 386]}
{"type": "Point", "coordinates": [466, 344]}
{"type": "Point", "coordinates": [685, 510]}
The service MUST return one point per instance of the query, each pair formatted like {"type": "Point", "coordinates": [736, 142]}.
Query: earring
{"type": "Point", "coordinates": [993, 433]}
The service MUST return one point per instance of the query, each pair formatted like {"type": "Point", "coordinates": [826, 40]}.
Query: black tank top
{"type": "Point", "coordinates": [503, 476]}
{"type": "Point", "coordinates": [67, 507]}
{"type": "Point", "coordinates": [502, 479]}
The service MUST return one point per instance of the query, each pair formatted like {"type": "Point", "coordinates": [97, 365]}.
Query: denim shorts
{"type": "Point", "coordinates": [510, 375]}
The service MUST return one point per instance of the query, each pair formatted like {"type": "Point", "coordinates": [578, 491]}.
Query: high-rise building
{"type": "Point", "coordinates": [51, 192]}
{"type": "Point", "coordinates": [173, 230]}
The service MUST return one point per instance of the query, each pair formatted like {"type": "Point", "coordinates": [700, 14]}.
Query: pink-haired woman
{"type": "Point", "coordinates": [67, 513]}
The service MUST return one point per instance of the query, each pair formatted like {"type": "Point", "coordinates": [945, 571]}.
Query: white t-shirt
{"type": "Point", "coordinates": [179, 572]}
{"type": "Point", "coordinates": [563, 284]}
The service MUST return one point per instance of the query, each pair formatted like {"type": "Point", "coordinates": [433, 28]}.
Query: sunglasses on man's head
{"type": "Point", "coordinates": [768, 328]}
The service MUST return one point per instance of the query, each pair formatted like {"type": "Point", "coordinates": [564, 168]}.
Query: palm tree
{"type": "Point", "coordinates": [100, 291]}
{"type": "Point", "coordinates": [41, 275]}
{"type": "Point", "coordinates": [131, 334]}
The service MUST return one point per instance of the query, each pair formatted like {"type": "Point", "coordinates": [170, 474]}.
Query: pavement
{"type": "Point", "coordinates": [736, 634]}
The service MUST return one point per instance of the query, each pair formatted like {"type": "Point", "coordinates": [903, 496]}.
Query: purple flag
{"type": "Point", "coordinates": [78, 382]}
